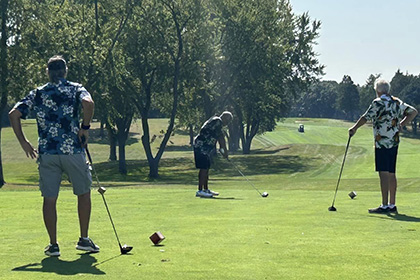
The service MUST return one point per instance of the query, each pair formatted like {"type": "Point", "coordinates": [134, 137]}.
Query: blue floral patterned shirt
{"type": "Point", "coordinates": [57, 109]}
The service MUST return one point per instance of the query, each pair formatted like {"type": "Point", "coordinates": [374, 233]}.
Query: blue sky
{"type": "Point", "coordinates": [363, 37]}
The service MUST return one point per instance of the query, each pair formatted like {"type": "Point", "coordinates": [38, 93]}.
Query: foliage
{"type": "Point", "coordinates": [319, 101]}
{"type": "Point", "coordinates": [367, 92]}
{"type": "Point", "coordinates": [267, 58]}
{"type": "Point", "coordinates": [348, 97]}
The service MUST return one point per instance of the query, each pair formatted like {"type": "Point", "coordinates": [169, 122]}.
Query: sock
{"type": "Point", "coordinates": [391, 205]}
{"type": "Point", "coordinates": [384, 206]}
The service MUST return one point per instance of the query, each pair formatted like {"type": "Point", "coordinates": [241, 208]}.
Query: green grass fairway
{"type": "Point", "coordinates": [239, 235]}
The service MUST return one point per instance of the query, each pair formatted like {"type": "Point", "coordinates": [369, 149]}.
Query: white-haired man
{"type": "Point", "coordinates": [388, 115]}
{"type": "Point", "coordinates": [205, 146]}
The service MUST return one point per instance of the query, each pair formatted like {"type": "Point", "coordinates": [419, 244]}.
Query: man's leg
{"type": "Point", "coordinates": [392, 188]}
{"type": "Point", "coordinates": [384, 177]}
{"type": "Point", "coordinates": [84, 208]}
{"type": "Point", "coordinates": [203, 177]}
{"type": "Point", "coordinates": [206, 180]}
{"type": "Point", "coordinates": [49, 211]}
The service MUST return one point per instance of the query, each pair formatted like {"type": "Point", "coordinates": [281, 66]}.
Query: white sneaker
{"type": "Point", "coordinates": [203, 194]}
{"type": "Point", "coordinates": [212, 192]}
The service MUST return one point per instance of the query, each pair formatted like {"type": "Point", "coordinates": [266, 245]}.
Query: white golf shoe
{"type": "Point", "coordinates": [203, 194]}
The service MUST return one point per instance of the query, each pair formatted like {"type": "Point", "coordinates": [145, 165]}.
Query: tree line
{"type": "Point", "coordinates": [185, 59]}
{"type": "Point", "coordinates": [346, 100]}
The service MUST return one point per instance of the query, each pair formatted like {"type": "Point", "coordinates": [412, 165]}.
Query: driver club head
{"type": "Point", "coordinates": [332, 208]}
{"type": "Point", "coordinates": [125, 249]}
{"type": "Point", "coordinates": [264, 194]}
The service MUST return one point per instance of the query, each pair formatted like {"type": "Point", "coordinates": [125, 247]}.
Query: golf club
{"type": "Point", "coordinates": [123, 249]}
{"type": "Point", "coordinates": [264, 194]}
{"type": "Point", "coordinates": [332, 208]}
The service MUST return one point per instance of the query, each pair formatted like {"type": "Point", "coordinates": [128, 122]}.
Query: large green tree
{"type": "Point", "coordinates": [348, 97]}
{"type": "Point", "coordinates": [268, 58]}
{"type": "Point", "coordinates": [318, 101]}
{"type": "Point", "coordinates": [155, 45]}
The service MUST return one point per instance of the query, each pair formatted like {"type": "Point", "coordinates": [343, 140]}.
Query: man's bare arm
{"type": "Point", "coordinates": [14, 116]}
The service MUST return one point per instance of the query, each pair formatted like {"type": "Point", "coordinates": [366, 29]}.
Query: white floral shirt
{"type": "Point", "coordinates": [386, 113]}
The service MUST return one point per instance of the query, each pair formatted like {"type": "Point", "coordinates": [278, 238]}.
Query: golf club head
{"type": "Point", "coordinates": [125, 249]}
{"type": "Point", "coordinates": [264, 194]}
{"type": "Point", "coordinates": [101, 190]}
{"type": "Point", "coordinates": [332, 208]}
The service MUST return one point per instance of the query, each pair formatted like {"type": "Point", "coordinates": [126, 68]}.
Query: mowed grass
{"type": "Point", "coordinates": [240, 235]}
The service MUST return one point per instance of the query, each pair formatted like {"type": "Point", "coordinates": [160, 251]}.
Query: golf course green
{"type": "Point", "coordinates": [238, 235]}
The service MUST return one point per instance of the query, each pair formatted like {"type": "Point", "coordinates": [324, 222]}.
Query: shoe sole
{"type": "Point", "coordinates": [87, 249]}
{"type": "Point", "coordinates": [54, 254]}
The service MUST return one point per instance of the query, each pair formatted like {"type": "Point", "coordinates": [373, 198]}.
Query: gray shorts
{"type": "Point", "coordinates": [51, 168]}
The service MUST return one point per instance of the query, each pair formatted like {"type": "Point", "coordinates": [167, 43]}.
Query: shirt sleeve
{"type": "Point", "coordinates": [372, 111]}
{"type": "Point", "coordinates": [83, 93]}
{"type": "Point", "coordinates": [406, 109]}
{"type": "Point", "coordinates": [218, 129]}
{"type": "Point", "coordinates": [25, 105]}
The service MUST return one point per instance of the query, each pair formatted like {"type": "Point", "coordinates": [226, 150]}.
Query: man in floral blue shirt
{"type": "Point", "coordinates": [205, 146]}
{"type": "Point", "coordinates": [60, 146]}
{"type": "Point", "coordinates": [388, 114]}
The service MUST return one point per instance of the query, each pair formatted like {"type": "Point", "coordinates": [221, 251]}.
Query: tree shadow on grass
{"type": "Point", "coordinates": [54, 265]}
{"type": "Point", "coordinates": [270, 151]}
{"type": "Point", "coordinates": [95, 137]}
{"type": "Point", "coordinates": [177, 148]}
{"type": "Point", "coordinates": [183, 171]}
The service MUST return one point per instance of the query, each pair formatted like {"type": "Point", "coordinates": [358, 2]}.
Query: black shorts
{"type": "Point", "coordinates": [386, 159]}
{"type": "Point", "coordinates": [202, 160]}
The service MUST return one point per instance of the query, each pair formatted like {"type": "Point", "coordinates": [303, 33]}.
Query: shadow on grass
{"type": "Point", "coordinates": [175, 148]}
{"type": "Point", "coordinates": [398, 217]}
{"type": "Point", "coordinates": [269, 151]}
{"type": "Point", "coordinates": [183, 171]}
{"type": "Point", "coordinates": [54, 265]}
{"type": "Point", "coordinates": [404, 218]}
{"type": "Point", "coordinates": [95, 137]}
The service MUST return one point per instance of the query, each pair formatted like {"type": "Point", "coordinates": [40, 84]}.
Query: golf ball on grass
{"type": "Point", "coordinates": [264, 194]}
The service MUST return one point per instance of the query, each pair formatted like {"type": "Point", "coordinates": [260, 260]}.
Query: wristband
{"type": "Point", "coordinates": [85, 127]}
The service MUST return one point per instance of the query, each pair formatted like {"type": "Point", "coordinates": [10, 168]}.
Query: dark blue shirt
{"type": "Point", "coordinates": [57, 108]}
{"type": "Point", "coordinates": [210, 132]}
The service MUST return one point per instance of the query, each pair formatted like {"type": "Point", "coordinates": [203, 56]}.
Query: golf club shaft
{"type": "Point", "coordinates": [93, 168]}
{"type": "Point", "coordinates": [109, 214]}
{"type": "Point", "coordinates": [341, 171]}
{"type": "Point", "coordinates": [103, 197]}
{"type": "Point", "coordinates": [240, 172]}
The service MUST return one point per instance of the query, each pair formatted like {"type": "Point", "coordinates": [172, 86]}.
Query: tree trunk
{"type": "Point", "coordinates": [247, 146]}
{"type": "Point", "coordinates": [3, 73]}
{"type": "Point", "coordinates": [122, 164]}
{"type": "Point", "coordinates": [154, 169]}
{"type": "Point", "coordinates": [248, 136]}
{"type": "Point", "coordinates": [191, 132]}
{"type": "Point", "coordinates": [112, 143]}
{"type": "Point", "coordinates": [414, 125]}
{"type": "Point", "coordinates": [234, 135]}
{"type": "Point", "coordinates": [102, 130]}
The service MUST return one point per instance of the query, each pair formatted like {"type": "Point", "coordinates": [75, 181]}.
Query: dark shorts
{"type": "Point", "coordinates": [202, 160]}
{"type": "Point", "coordinates": [386, 159]}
